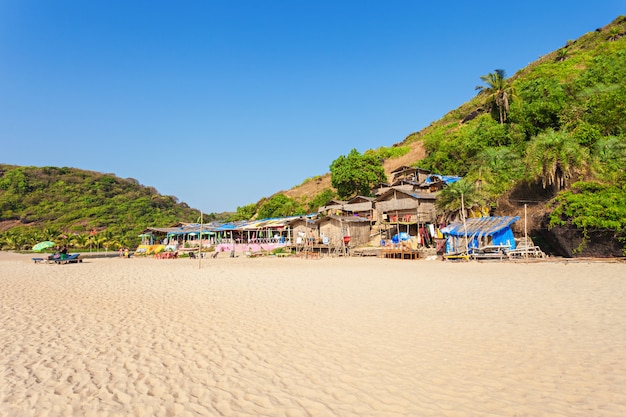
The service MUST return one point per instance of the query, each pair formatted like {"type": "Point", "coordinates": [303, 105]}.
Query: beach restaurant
{"type": "Point", "coordinates": [241, 236]}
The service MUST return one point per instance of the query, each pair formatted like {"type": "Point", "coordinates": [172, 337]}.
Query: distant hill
{"type": "Point", "coordinates": [39, 203]}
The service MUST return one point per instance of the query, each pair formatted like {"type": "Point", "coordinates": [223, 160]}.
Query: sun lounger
{"type": "Point", "coordinates": [69, 259]}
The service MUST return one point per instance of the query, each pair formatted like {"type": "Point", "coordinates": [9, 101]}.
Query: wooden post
{"type": "Point", "coordinates": [525, 234]}
{"type": "Point", "coordinates": [464, 225]}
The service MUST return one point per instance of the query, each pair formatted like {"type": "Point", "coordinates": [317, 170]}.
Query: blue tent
{"type": "Point", "coordinates": [480, 232]}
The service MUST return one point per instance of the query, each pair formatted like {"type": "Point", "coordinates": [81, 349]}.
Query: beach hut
{"type": "Point", "coordinates": [332, 207]}
{"type": "Point", "coordinates": [360, 206]}
{"type": "Point", "coordinates": [412, 174]}
{"type": "Point", "coordinates": [478, 233]}
{"type": "Point", "coordinates": [335, 229]}
{"type": "Point", "coordinates": [398, 206]}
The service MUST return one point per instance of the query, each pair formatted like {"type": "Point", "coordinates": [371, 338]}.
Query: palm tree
{"type": "Point", "coordinates": [615, 33]}
{"type": "Point", "coordinates": [50, 233]}
{"type": "Point", "coordinates": [554, 157]}
{"type": "Point", "coordinates": [561, 55]}
{"type": "Point", "coordinates": [456, 195]}
{"type": "Point", "coordinates": [609, 158]}
{"type": "Point", "coordinates": [497, 92]}
{"type": "Point", "coordinates": [14, 240]}
{"type": "Point", "coordinates": [498, 169]}
{"type": "Point", "coordinates": [81, 240]}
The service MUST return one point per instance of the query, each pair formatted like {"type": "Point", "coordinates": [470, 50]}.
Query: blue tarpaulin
{"type": "Point", "coordinates": [498, 229]}
{"type": "Point", "coordinates": [448, 179]}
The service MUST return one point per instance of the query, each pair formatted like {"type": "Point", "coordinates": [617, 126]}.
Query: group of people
{"type": "Point", "coordinates": [124, 253]}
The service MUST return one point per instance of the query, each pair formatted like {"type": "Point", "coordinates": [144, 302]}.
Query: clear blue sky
{"type": "Point", "coordinates": [221, 103]}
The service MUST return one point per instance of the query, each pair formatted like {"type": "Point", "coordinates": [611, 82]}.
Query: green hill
{"type": "Point", "coordinates": [88, 208]}
{"type": "Point", "coordinates": [551, 139]}
{"type": "Point", "coordinates": [559, 147]}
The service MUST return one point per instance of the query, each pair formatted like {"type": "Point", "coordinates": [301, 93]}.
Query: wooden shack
{"type": "Point", "coordinates": [401, 206]}
{"type": "Point", "coordinates": [332, 207]}
{"type": "Point", "coordinates": [333, 229]}
{"type": "Point", "coordinates": [360, 206]}
{"type": "Point", "coordinates": [412, 174]}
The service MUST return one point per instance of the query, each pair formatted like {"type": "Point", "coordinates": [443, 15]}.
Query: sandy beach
{"type": "Point", "coordinates": [296, 337]}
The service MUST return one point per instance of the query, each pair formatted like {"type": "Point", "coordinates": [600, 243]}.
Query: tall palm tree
{"type": "Point", "coordinates": [554, 157]}
{"type": "Point", "coordinates": [457, 195]}
{"type": "Point", "coordinates": [497, 91]}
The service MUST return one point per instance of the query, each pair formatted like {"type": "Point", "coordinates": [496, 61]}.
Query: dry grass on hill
{"type": "Point", "coordinates": [315, 186]}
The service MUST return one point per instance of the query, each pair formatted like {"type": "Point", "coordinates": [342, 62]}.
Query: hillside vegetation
{"type": "Point", "coordinates": [83, 208]}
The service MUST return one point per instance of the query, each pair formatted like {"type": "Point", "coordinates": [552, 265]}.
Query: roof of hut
{"type": "Point", "coordinates": [360, 199]}
{"type": "Point", "coordinates": [347, 219]}
{"type": "Point", "coordinates": [406, 170]}
{"type": "Point", "coordinates": [483, 226]}
{"type": "Point", "coordinates": [418, 195]}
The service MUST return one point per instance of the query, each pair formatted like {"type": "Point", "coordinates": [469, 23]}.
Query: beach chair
{"type": "Point", "coordinates": [69, 259]}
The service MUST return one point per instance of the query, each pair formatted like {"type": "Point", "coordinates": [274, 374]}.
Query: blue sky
{"type": "Point", "coordinates": [221, 103]}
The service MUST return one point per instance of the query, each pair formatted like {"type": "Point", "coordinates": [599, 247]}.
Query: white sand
{"type": "Point", "coordinates": [296, 337]}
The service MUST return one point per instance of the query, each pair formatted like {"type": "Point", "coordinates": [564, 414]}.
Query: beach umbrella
{"type": "Point", "coordinates": [43, 245]}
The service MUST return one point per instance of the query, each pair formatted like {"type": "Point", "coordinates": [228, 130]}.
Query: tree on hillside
{"type": "Point", "coordinates": [243, 213]}
{"type": "Point", "coordinates": [356, 174]}
{"type": "Point", "coordinates": [497, 92]}
{"type": "Point", "coordinates": [498, 168]}
{"type": "Point", "coordinates": [279, 205]}
{"type": "Point", "coordinates": [554, 157]}
{"type": "Point", "coordinates": [455, 196]}
{"type": "Point", "coordinates": [320, 200]}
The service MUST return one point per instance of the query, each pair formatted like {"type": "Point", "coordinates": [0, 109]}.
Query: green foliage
{"type": "Point", "coordinates": [554, 158]}
{"type": "Point", "coordinates": [356, 174]}
{"type": "Point", "coordinates": [460, 194]}
{"type": "Point", "coordinates": [591, 205]}
{"type": "Point", "coordinates": [499, 169]}
{"type": "Point", "coordinates": [497, 93]}
{"type": "Point", "coordinates": [51, 201]}
{"type": "Point", "coordinates": [385, 153]}
{"type": "Point", "coordinates": [279, 205]}
{"type": "Point", "coordinates": [609, 159]}
{"type": "Point", "coordinates": [243, 213]}
{"type": "Point", "coordinates": [320, 200]}
{"type": "Point", "coordinates": [455, 151]}
{"type": "Point", "coordinates": [317, 177]}
{"type": "Point", "coordinates": [539, 105]}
